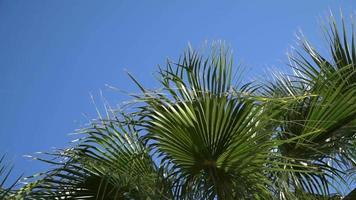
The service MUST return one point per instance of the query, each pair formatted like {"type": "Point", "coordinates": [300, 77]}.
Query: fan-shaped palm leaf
{"type": "Point", "coordinates": [217, 137]}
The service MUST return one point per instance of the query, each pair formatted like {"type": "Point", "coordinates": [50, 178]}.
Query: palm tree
{"type": "Point", "coordinates": [206, 134]}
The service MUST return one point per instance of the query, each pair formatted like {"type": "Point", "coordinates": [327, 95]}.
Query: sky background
{"type": "Point", "coordinates": [53, 54]}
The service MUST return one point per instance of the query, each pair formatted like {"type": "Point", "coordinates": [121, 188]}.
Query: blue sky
{"type": "Point", "coordinates": [54, 53]}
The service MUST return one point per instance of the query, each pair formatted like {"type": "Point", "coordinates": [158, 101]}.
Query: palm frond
{"type": "Point", "coordinates": [109, 162]}
{"type": "Point", "coordinates": [329, 113]}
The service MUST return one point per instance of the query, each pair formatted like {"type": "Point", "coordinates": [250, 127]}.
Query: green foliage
{"type": "Point", "coordinates": [206, 135]}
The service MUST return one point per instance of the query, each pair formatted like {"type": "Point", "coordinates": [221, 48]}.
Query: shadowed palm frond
{"type": "Point", "coordinates": [329, 113]}
{"type": "Point", "coordinates": [109, 162]}
{"type": "Point", "coordinates": [333, 78]}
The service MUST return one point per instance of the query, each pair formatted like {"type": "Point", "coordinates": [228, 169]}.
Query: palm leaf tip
{"type": "Point", "coordinates": [7, 190]}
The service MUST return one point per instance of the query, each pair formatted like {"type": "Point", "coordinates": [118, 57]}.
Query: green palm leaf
{"type": "Point", "coordinates": [213, 133]}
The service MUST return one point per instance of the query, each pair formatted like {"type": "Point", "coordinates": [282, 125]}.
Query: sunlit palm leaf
{"type": "Point", "coordinates": [215, 135]}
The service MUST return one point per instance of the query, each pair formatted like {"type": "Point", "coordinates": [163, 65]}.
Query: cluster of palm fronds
{"type": "Point", "coordinates": [207, 135]}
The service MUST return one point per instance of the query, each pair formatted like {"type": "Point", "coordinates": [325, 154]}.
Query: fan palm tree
{"type": "Point", "coordinates": [206, 134]}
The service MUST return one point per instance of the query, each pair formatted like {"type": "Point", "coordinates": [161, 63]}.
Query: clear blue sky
{"type": "Point", "coordinates": [53, 53]}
